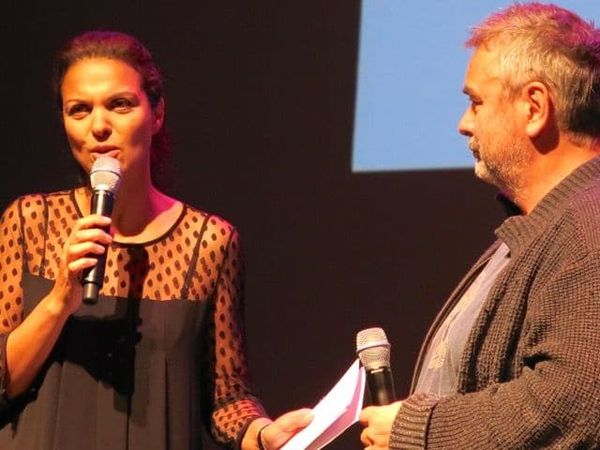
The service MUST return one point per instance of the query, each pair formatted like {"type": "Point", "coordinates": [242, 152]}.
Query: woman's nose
{"type": "Point", "coordinates": [101, 127]}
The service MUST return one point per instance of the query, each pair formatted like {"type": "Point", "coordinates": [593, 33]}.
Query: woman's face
{"type": "Point", "coordinates": [106, 112]}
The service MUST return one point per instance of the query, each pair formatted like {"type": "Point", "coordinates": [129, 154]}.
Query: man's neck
{"type": "Point", "coordinates": [548, 170]}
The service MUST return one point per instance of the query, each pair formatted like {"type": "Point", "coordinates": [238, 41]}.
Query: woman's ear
{"type": "Point", "coordinates": [159, 116]}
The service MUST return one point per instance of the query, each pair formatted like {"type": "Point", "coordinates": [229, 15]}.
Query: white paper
{"type": "Point", "coordinates": [338, 410]}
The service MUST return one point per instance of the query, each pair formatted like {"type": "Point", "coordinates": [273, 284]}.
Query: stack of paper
{"type": "Point", "coordinates": [338, 410]}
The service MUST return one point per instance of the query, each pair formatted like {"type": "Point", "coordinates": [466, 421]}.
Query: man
{"type": "Point", "coordinates": [512, 361]}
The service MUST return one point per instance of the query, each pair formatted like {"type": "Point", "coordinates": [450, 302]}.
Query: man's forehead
{"type": "Point", "coordinates": [483, 67]}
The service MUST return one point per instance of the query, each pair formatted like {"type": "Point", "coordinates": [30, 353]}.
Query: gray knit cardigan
{"type": "Point", "coordinates": [529, 377]}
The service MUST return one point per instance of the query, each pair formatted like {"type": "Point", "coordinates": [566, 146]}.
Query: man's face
{"type": "Point", "coordinates": [498, 143]}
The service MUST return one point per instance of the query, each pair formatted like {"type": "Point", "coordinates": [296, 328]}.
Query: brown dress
{"type": "Point", "coordinates": [161, 352]}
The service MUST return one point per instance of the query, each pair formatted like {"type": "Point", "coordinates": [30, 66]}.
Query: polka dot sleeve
{"type": "Point", "coordinates": [235, 406]}
{"type": "Point", "coordinates": [11, 295]}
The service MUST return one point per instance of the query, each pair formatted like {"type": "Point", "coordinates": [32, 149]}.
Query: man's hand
{"type": "Point", "coordinates": [378, 425]}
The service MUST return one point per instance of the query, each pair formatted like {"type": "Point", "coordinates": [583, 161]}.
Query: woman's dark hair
{"type": "Point", "coordinates": [126, 48]}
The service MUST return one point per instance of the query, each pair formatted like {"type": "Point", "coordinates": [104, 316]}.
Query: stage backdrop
{"type": "Point", "coordinates": [261, 100]}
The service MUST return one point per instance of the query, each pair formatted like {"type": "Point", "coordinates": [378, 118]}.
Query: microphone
{"type": "Point", "coordinates": [373, 350]}
{"type": "Point", "coordinates": [104, 179]}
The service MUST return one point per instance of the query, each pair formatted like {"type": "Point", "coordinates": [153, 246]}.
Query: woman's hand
{"type": "Point", "coordinates": [87, 240]}
{"type": "Point", "coordinates": [273, 435]}
{"type": "Point", "coordinates": [277, 433]}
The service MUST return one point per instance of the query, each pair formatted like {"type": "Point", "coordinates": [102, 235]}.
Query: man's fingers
{"type": "Point", "coordinates": [365, 415]}
{"type": "Point", "coordinates": [364, 437]}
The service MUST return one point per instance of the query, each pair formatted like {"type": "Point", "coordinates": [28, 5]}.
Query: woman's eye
{"type": "Point", "coordinates": [77, 110]}
{"type": "Point", "coordinates": [121, 104]}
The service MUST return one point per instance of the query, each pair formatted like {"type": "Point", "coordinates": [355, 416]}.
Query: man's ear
{"type": "Point", "coordinates": [537, 107]}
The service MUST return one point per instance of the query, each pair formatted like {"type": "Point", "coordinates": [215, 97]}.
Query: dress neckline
{"type": "Point", "coordinates": [145, 243]}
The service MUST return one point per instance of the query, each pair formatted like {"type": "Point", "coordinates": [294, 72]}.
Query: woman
{"type": "Point", "coordinates": [163, 347]}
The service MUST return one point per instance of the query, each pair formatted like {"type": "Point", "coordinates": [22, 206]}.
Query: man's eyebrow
{"type": "Point", "coordinates": [470, 93]}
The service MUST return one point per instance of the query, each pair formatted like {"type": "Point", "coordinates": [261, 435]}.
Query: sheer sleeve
{"type": "Point", "coordinates": [234, 405]}
{"type": "Point", "coordinates": [11, 289]}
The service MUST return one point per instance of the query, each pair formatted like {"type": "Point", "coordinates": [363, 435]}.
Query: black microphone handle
{"type": "Point", "coordinates": [381, 386]}
{"type": "Point", "coordinates": [102, 203]}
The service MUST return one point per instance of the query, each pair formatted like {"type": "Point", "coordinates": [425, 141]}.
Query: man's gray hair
{"type": "Point", "coordinates": [547, 43]}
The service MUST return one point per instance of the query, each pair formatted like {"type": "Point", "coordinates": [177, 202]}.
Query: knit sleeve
{"type": "Point", "coordinates": [409, 429]}
{"type": "Point", "coordinates": [553, 401]}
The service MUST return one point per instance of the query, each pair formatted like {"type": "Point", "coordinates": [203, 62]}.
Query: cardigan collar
{"type": "Point", "coordinates": [517, 231]}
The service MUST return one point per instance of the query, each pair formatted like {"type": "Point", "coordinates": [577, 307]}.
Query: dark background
{"type": "Point", "coordinates": [260, 103]}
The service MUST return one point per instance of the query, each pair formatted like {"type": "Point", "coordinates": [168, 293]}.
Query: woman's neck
{"type": "Point", "coordinates": [140, 213]}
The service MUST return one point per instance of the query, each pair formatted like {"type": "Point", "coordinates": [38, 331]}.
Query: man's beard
{"type": "Point", "coordinates": [502, 163]}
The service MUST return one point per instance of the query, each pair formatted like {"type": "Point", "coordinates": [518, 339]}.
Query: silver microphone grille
{"type": "Point", "coordinates": [105, 174]}
{"type": "Point", "coordinates": [373, 348]}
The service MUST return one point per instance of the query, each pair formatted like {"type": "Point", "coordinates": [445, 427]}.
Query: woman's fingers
{"type": "Point", "coordinates": [81, 264]}
{"type": "Point", "coordinates": [87, 241]}
{"type": "Point", "coordinates": [82, 249]}
{"type": "Point", "coordinates": [87, 238]}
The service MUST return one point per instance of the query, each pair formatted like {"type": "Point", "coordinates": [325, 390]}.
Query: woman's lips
{"type": "Point", "coordinates": [113, 152]}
